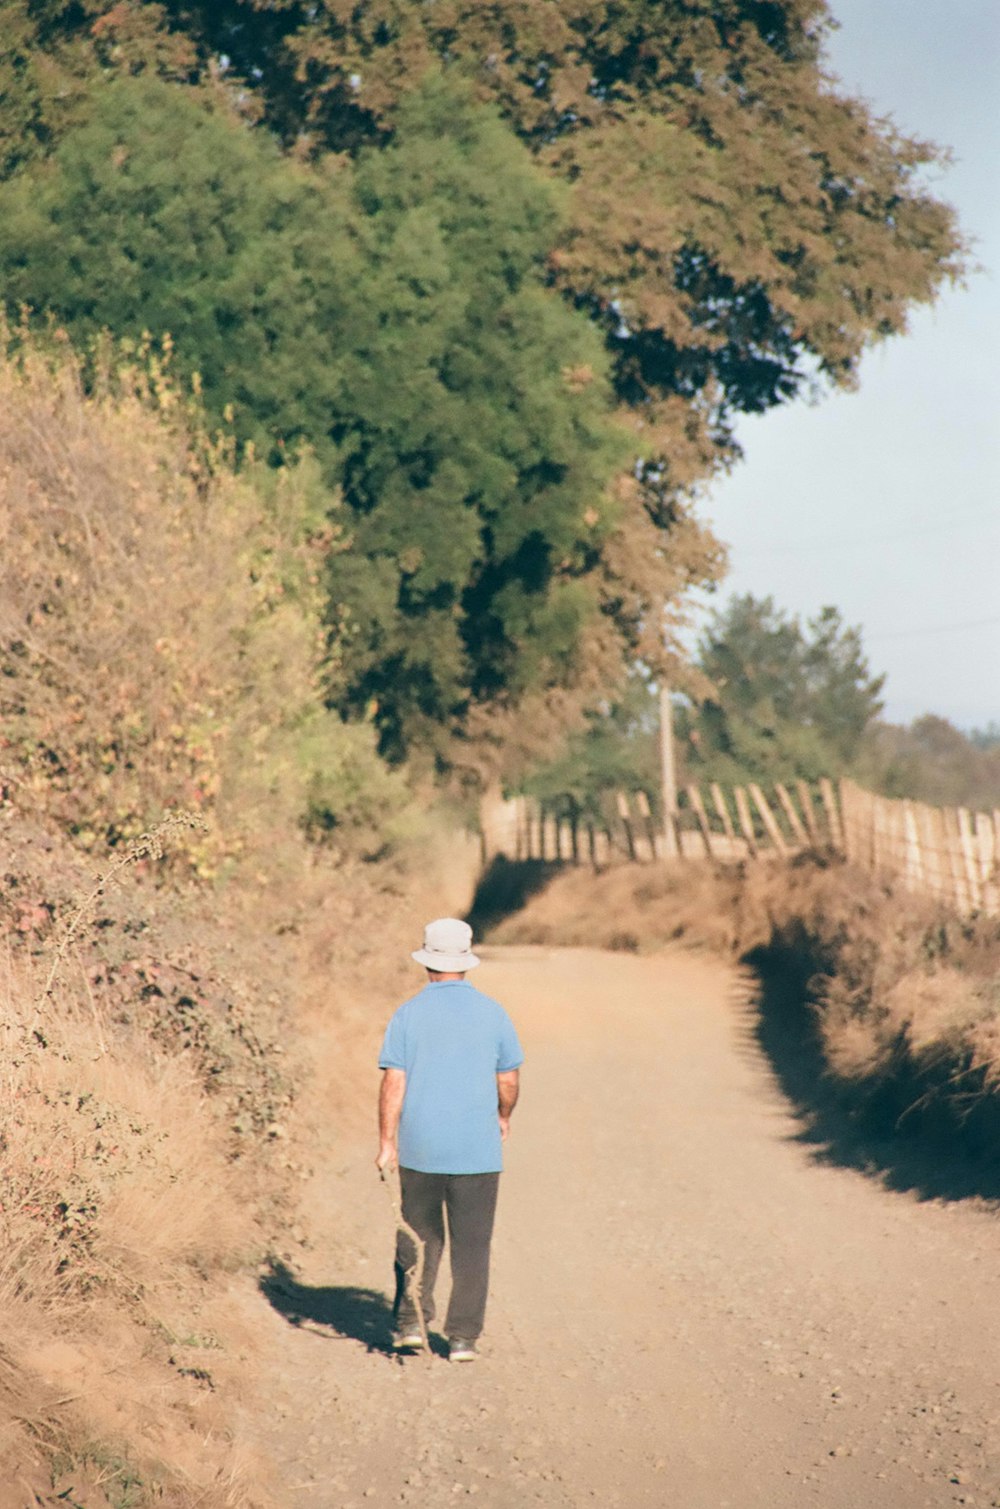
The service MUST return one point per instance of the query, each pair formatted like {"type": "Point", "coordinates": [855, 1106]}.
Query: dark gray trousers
{"type": "Point", "coordinates": [469, 1201]}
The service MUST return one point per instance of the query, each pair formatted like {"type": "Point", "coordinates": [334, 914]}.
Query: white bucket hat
{"type": "Point", "coordinates": [447, 947]}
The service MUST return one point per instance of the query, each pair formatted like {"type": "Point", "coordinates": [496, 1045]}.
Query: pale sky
{"type": "Point", "coordinates": [886, 502]}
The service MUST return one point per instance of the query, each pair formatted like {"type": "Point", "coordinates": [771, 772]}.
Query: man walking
{"type": "Point", "coordinates": [450, 1060]}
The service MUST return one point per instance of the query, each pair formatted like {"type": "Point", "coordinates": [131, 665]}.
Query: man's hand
{"type": "Point", "coordinates": [504, 1127]}
{"type": "Point", "coordinates": [386, 1160]}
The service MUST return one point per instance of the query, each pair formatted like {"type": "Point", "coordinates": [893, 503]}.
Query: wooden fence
{"type": "Point", "coordinates": [947, 854]}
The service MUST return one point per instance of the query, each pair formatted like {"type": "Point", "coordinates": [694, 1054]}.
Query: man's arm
{"type": "Point", "coordinates": [508, 1085]}
{"type": "Point", "coordinates": [390, 1105]}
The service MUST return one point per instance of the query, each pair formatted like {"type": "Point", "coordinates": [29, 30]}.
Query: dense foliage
{"type": "Point", "coordinates": [786, 701]}
{"type": "Point", "coordinates": [663, 115]}
{"type": "Point", "coordinates": [393, 320]}
{"type": "Point", "coordinates": [161, 638]}
{"type": "Point", "coordinates": [474, 432]}
{"type": "Point", "coordinates": [933, 761]}
{"type": "Point", "coordinates": [440, 245]}
{"type": "Point", "coordinates": [779, 701]}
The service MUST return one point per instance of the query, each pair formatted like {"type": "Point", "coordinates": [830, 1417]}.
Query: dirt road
{"type": "Point", "coordinates": [687, 1311]}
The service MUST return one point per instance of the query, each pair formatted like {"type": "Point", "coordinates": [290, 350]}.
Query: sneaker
{"type": "Point", "coordinates": [408, 1339]}
{"type": "Point", "coordinates": [461, 1351]}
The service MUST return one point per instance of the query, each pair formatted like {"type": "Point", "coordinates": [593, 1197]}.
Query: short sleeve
{"type": "Point", "coordinates": [393, 1054]}
{"type": "Point", "coordinates": [509, 1052]}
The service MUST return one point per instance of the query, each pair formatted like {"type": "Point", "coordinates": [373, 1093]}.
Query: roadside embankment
{"type": "Point", "coordinates": [167, 1047]}
{"type": "Point", "coordinates": [204, 873]}
{"type": "Point", "coordinates": [880, 1013]}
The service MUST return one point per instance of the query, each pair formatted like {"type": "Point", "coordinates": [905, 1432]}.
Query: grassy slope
{"type": "Point", "coordinates": [153, 1145]}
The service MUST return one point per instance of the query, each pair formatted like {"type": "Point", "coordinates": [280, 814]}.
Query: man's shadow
{"type": "Point", "coordinates": [362, 1314]}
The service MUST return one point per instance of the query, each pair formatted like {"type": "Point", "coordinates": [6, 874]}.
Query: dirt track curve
{"type": "Point", "coordinates": [687, 1309]}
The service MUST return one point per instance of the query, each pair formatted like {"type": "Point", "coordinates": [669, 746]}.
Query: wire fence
{"type": "Point", "coordinates": [946, 853]}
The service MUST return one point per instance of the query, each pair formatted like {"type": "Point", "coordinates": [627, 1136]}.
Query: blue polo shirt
{"type": "Point", "coordinates": [452, 1042]}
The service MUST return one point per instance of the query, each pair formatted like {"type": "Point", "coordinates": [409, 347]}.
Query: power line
{"type": "Point", "coordinates": [991, 519]}
{"type": "Point", "coordinates": [972, 623]}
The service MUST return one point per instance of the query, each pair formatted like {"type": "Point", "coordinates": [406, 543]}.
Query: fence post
{"type": "Point", "coordinates": [719, 802]}
{"type": "Point", "coordinates": [899, 853]}
{"type": "Point", "coordinates": [914, 860]}
{"type": "Point", "coordinates": [848, 817]}
{"type": "Point", "coordinates": [767, 818]}
{"type": "Point", "coordinates": [832, 815]}
{"type": "Point", "coordinates": [986, 854]}
{"type": "Point", "coordinates": [860, 826]}
{"type": "Point", "coordinates": [806, 800]}
{"type": "Point", "coordinates": [645, 812]}
{"type": "Point", "coordinates": [969, 858]}
{"type": "Point", "coordinates": [668, 776]}
{"type": "Point", "coordinates": [934, 865]}
{"type": "Point", "coordinates": [878, 837]}
{"type": "Point", "coordinates": [745, 820]}
{"type": "Point", "coordinates": [955, 860]}
{"type": "Point", "coordinates": [698, 808]}
{"type": "Point", "coordinates": [799, 833]}
{"type": "Point", "coordinates": [623, 812]}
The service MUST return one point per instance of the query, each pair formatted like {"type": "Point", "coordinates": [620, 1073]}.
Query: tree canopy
{"type": "Point", "coordinates": [441, 245]}
{"type": "Point", "coordinates": [392, 318]}
{"type": "Point", "coordinates": [734, 218]}
{"type": "Point", "coordinates": [476, 443]}
{"type": "Point", "coordinates": [933, 761]}
{"type": "Point", "coordinates": [155, 215]}
{"type": "Point", "coordinates": [787, 701]}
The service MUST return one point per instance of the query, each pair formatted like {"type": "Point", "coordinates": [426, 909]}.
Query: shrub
{"type": "Point", "coordinates": [161, 640]}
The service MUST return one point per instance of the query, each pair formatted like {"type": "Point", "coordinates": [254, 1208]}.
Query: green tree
{"type": "Point", "coordinates": [393, 317]}
{"type": "Point", "coordinates": [476, 444]}
{"type": "Point", "coordinates": [617, 749]}
{"type": "Point", "coordinates": [933, 761]}
{"type": "Point", "coordinates": [787, 701]}
{"type": "Point", "coordinates": [729, 208]}
{"type": "Point", "coordinates": [737, 229]}
{"type": "Point", "coordinates": [160, 213]}
{"type": "Point", "coordinates": [55, 51]}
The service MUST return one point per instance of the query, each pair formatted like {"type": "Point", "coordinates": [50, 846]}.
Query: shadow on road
{"type": "Point", "coordinates": [894, 1134]}
{"type": "Point", "coordinates": [505, 887]}
{"type": "Point", "coordinates": [362, 1314]}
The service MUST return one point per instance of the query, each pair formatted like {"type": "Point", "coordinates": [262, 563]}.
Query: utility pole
{"type": "Point", "coordinates": [668, 773]}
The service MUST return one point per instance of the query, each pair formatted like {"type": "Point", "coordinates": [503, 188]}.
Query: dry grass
{"type": "Point", "coordinates": [142, 1157]}
{"type": "Point", "coordinates": [121, 1210]}
{"type": "Point", "coordinates": [162, 641]}
{"type": "Point", "coordinates": [639, 908]}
